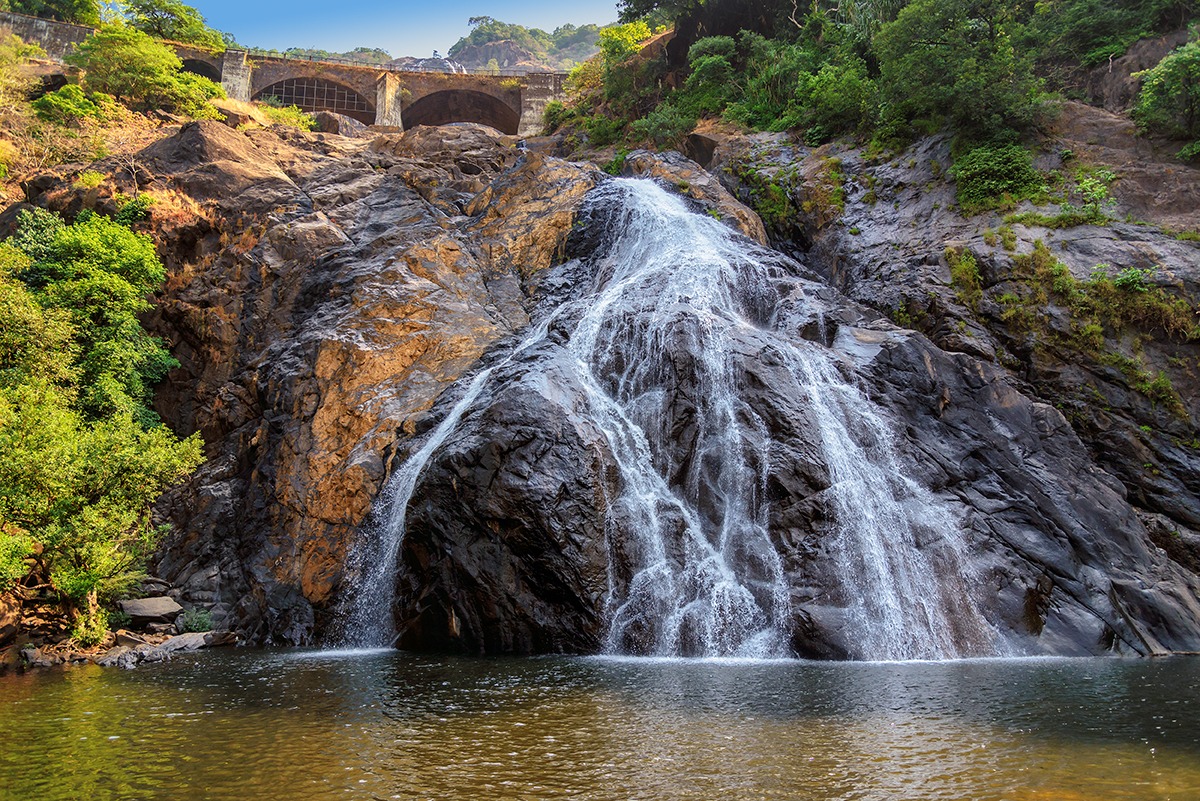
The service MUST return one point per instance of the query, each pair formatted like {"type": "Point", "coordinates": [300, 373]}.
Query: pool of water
{"type": "Point", "coordinates": [245, 724]}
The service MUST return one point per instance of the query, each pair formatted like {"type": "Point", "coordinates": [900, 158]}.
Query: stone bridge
{"type": "Point", "coordinates": [513, 104]}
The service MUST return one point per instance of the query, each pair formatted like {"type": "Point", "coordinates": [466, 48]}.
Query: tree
{"type": "Point", "coordinates": [81, 12]}
{"type": "Point", "coordinates": [174, 21]}
{"type": "Point", "coordinates": [1169, 100]}
{"type": "Point", "coordinates": [79, 481]}
{"type": "Point", "coordinates": [954, 62]}
{"type": "Point", "coordinates": [128, 64]}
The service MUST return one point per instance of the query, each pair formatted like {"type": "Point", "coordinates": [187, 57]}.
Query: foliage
{"type": "Point", "coordinates": [619, 42]}
{"type": "Point", "coordinates": [1093, 31]}
{"type": "Point", "coordinates": [292, 116]}
{"type": "Point", "coordinates": [1169, 100]}
{"type": "Point", "coordinates": [199, 620]}
{"type": "Point", "coordinates": [174, 21]}
{"type": "Point", "coordinates": [70, 105]}
{"type": "Point", "coordinates": [14, 548]}
{"type": "Point", "coordinates": [964, 277]}
{"type": "Point", "coordinates": [81, 457]}
{"type": "Point", "coordinates": [82, 12]}
{"type": "Point", "coordinates": [129, 65]}
{"type": "Point", "coordinates": [987, 177]}
{"type": "Point", "coordinates": [953, 62]}
{"type": "Point", "coordinates": [99, 272]}
{"type": "Point", "coordinates": [665, 126]}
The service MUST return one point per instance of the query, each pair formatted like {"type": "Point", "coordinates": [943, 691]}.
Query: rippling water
{"type": "Point", "coordinates": [381, 724]}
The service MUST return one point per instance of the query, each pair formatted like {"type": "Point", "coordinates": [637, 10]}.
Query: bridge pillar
{"type": "Point", "coordinates": [537, 90]}
{"type": "Point", "coordinates": [235, 75]}
{"type": "Point", "coordinates": [388, 101]}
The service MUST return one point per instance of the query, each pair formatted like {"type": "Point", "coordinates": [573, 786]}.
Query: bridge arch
{"type": "Point", "coordinates": [319, 94]}
{"type": "Point", "coordinates": [202, 68]}
{"type": "Point", "coordinates": [462, 105]}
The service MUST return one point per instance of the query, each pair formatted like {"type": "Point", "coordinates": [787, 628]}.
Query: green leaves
{"type": "Point", "coordinates": [82, 455]}
{"type": "Point", "coordinates": [1169, 101]}
{"type": "Point", "coordinates": [131, 66]}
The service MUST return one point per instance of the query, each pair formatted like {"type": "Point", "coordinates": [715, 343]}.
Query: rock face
{"type": "Point", "coordinates": [503, 550]}
{"type": "Point", "coordinates": [322, 293]}
{"type": "Point", "coordinates": [326, 294]}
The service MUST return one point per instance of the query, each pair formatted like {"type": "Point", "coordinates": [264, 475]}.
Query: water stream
{"type": "Point", "coordinates": [657, 343]}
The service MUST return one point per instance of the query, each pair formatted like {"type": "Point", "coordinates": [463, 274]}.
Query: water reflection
{"type": "Point", "coordinates": [285, 725]}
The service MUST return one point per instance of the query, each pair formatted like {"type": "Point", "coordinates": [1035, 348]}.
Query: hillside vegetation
{"type": "Point", "coordinates": [889, 71]}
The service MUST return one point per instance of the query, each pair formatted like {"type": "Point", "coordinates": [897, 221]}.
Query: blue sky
{"type": "Point", "coordinates": [402, 28]}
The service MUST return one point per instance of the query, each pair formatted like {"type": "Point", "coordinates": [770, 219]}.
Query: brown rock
{"type": "Point", "coordinates": [10, 617]}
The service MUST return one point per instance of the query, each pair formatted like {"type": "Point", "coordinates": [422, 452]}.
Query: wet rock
{"type": "Point", "coordinates": [143, 611]}
{"type": "Point", "coordinates": [122, 656]}
{"type": "Point", "coordinates": [691, 180]}
{"type": "Point", "coordinates": [37, 658]}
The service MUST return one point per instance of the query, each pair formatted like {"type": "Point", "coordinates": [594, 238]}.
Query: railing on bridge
{"type": "Point", "coordinates": [519, 72]}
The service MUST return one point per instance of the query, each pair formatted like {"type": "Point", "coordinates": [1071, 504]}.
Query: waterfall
{"type": "Point", "coordinates": [658, 343]}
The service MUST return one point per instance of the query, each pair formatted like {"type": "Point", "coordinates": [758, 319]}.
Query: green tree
{"type": "Point", "coordinates": [99, 273]}
{"type": "Point", "coordinates": [1169, 100]}
{"type": "Point", "coordinates": [82, 12]}
{"type": "Point", "coordinates": [78, 481]}
{"type": "Point", "coordinates": [954, 62]}
{"type": "Point", "coordinates": [128, 64]}
{"type": "Point", "coordinates": [173, 20]}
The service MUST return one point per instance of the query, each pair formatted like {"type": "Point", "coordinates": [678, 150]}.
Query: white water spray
{"type": "Point", "coordinates": [693, 570]}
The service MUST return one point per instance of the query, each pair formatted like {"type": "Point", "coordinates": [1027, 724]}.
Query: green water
{"type": "Point", "coordinates": [244, 724]}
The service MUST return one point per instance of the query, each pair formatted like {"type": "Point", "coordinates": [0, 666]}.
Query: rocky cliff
{"type": "Point", "coordinates": [326, 293]}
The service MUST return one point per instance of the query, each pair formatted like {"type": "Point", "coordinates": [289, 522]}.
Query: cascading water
{"type": "Point", "coordinates": [658, 345]}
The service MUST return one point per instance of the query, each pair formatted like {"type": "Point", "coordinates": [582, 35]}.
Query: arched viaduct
{"type": "Point", "coordinates": [375, 96]}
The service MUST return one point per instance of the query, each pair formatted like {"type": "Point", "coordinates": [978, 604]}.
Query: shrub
{"type": "Point", "coordinates": [67, 106]}
{"type": "Point", "coordinates": [987, 177]}
{"type": "Point", "coordinates": [666, 126]}
{"type": "Point", "coordinates": [1169, 100]}
{"type": "Point", "coordinates": [194, 620]}
{"type": "Point", "coordinates": [292, 116]}
{"type": "Point", "coordinates": [964, 276]}
{"type": "Point", "coordinates": [555, 116]}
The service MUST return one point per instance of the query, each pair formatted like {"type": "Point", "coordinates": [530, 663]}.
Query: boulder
{"type": "Point", "coordinates": [340, 124]}
{"type": "Point", "coordinates": [144, 611]}
{"type": "Point", "coordinates": [10, 617]}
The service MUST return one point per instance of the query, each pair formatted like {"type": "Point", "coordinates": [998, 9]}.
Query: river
{"type": "Point", "coordinates": [255, 724]}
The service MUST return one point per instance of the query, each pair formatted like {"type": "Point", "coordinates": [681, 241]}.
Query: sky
{"type": "Point", "coordinates": [402, 28]}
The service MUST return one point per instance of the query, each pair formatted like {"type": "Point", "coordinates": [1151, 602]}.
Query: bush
{"type": "Point", "coordinates": [194, 620]}
{"type": "Point", "coordinates": [129, 65]}
{"type": "Point", "coordinates": [666, 126]}
{"type": "Point", "coordinates": [555, 116]}
{"type": "Point", "coordinates": [1169, 100]}
{"type": "Point", "coordinates": [987, 177]}
{"type": "Point", "coordinates": [292, 116]}
{"type": "Point", "coordinates": [67, 106]}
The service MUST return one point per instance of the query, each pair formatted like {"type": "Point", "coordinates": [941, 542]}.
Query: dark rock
{"type": "Point", "coordinates": [10, 617]}
{"type": "Point", "coordinates": [36, 658]}
{"type": "Point", "coordinates": [121, 656]}
{"type": "Point", "coordinates": [143, 611]}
